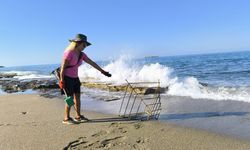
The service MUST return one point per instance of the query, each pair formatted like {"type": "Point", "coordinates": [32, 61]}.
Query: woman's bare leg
{"type": "Point", "coordinates": [77, 104]}
{"type": "Point", "coordinates": [66, 112]}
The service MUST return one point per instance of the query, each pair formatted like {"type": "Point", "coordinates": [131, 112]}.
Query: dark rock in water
{"type": "Point", "coordinates": [7, 75]}
{"type": "Point", "coordinates": [204, 84]}
{"type": "Point", "coordinates": [47, 85]}
{"type": "Point", "coordinates": [116, 88]}
{"type": "Point", "coordinates": [12, 85]}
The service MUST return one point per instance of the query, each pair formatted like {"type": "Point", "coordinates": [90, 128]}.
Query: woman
{"type": "Point", "coordinates": [69, 80]}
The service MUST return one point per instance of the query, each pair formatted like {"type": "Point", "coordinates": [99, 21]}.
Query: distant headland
{"type": "Point", "coordinates": [1, 66]}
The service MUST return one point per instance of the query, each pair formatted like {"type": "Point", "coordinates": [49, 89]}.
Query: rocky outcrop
{"type": "Point", "coordinates": [116, 88]}
{"type": "Point", "coordinates": [10, 85]}
{"type": "Point", "coordinates": [7, 75]}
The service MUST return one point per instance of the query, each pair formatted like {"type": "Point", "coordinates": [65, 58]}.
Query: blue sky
{"type": "Point", "coordinates": [37, 32]}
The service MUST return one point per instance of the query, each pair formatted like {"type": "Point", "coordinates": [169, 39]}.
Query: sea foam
{"type": "Point", "coordinates": [23, 75]}
{"type": "Point", "coordinates": [125, 68]}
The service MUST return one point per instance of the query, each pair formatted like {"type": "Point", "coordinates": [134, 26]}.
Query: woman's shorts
{"type": "Point", "coordinates": [72, 85]}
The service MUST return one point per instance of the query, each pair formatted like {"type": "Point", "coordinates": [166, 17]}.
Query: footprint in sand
{"type": "Point", "coordinates": [93, 144]}
{"type": "Point", "coordinates": [140, 143]}
{"type": "Point", "coordinates": [142, 140]}
{"type": "Point", "coordinates": [138, 125]}
{"type": "Point", "coordinates": [109, 142]}
{"type": "Point", "coordinates": [7, 124]}
{"type": "Point", "coordinates": [23, 113]}
{"type": "Point", "coordinates": [100, 133]}
{"type": "Point", "coordinates": [121, 130]}
{"type": "Point", "coordinates": [117, 128]}
{"type": "Point", "coordinates": [114, 124]}
{"type": "Point", "coordinates": [75, 143]}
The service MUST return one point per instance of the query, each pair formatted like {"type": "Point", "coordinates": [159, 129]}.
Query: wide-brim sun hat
{"type": "Point", "coordinates": [80, 38]}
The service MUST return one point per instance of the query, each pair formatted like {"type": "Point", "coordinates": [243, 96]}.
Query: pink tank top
{"type": "Point", "coordinates": [72, 58]}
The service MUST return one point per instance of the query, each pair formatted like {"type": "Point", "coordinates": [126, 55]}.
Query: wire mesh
{"type": "Point", "coordinates": [135, 105]}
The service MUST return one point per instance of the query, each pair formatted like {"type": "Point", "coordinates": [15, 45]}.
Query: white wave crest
{"type": "Point", "coordinates": [22, 75]}
{"type": "Point", "coordinates": [124, 68]}
{"type": "Point", "coordinates": [191, 87]}
{"type": "Point", "coordinates": [33, 76]}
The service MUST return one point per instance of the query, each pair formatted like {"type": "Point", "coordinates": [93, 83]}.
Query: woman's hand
{"type": "Point", "coordinates": [61, 85]}
{"type": "Point", "coordinates": [106, 73]}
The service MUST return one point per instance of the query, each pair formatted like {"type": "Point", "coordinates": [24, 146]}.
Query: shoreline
{"type": "Point", "coordinates": [30, 121]}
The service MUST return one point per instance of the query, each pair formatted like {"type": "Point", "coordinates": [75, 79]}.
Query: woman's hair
{"type": "Point", "coordinates": [72, 45]}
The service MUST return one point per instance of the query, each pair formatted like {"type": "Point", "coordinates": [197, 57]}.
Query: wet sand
{"type": "Point", "coordinates": [29, 121]}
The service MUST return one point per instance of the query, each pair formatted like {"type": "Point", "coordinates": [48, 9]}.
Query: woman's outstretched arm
{"type": "Point", "coordinates": [93, 64]}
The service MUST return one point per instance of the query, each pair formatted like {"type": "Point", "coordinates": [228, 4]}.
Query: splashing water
{"type": "Point", "coordinates": [124, 68]}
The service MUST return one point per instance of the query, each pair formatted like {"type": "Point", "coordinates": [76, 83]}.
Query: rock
{"type": "Point", "coordinates": [7, 75]}
{"type": "Point", "coordinates": [116, 88]}
{"type": "Point", "coordinates": [13, 85]}
{"type": "Point", "coordinates": [47, 85]}
{"type": "Point", "coordinates": [10, 85]}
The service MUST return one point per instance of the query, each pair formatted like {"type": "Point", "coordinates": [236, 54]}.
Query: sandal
{"type": "Point", "coordinates": [81, 119]}
{"type": "Point", "coordinates": [68, 121]}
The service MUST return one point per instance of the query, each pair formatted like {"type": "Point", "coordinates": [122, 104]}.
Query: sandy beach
{"type": "Point", "coordinates": [30, 121]}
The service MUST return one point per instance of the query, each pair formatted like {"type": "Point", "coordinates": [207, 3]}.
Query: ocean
{"type": "Point", "coordinates": [207, 91]}
{"type": "Point", "coordinates": [218, 76]}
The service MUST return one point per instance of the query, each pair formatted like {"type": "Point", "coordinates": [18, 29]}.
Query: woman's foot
{"type": "Point", "coordinates": [68, 121]}
{"type": "Point", "coordinates": [81, 118]}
